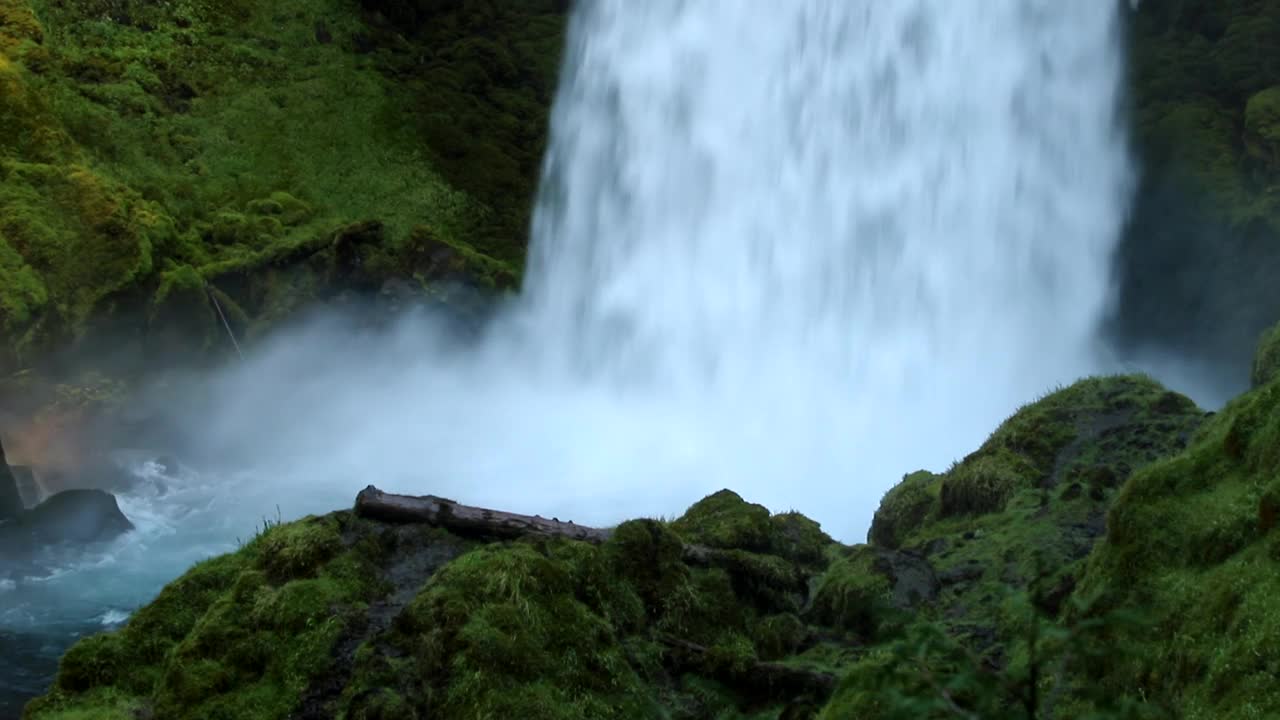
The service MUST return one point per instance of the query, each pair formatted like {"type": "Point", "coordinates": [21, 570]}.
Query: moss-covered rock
{"type": "Point", "coordinates": [903, 508]}
{"type": "Point", "coordinates": [1190, 542]}
{"type": "Point", "coordinates": [852, 594]}
{"type": "Point", "coordinates": [239, 636]}
{"type": "Point", "coordinates": [341, 617]}
{"type": "Point", "coordinates": [242, 141]}
{"type": "Point", "coordinates": [348, 618]}
{"type": "Point", "coordinates": [725, 520]}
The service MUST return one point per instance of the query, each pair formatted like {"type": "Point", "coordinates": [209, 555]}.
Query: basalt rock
{"type": "Point", "coordinates": [10, 499]}
{"type": "Point", "coordinates": [68, 521]}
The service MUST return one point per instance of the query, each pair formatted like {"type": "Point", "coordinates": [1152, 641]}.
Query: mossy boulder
{"type": "Point", "coordinates": [853, 594]}
{"type": "Point", "coordinates": [337, 616]}
{"type": "Point", "coordinates": [903, 508]}
{"type": "Point", "coordinates": [725, 520]}
{"type": "Point", "coordinates": [237, 636]}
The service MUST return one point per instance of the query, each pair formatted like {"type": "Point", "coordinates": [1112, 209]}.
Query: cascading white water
{"type": "Point", "coordinates": [895, 217]}
{"type": "Point", "coordinates": [880, 192]}
{"type": "Point", "coordinates": [795, 248]}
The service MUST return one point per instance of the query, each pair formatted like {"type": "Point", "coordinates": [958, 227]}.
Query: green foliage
{"type": "Point", "coordinates": [1266, 360]}
{"type": "Point", "coordinates": [903, 508]}
{"type": "Point", "coordinates": [852, 594]}
{"type": "Point", "coordinates": [1201, 72]}
{"type": "Point", "coordinates": [233, 139]}
{"type": "Point", "coordinates": [239, 636]}
{"type": "Point", "coordinates": [725, 520]}
{"type": "Point", "coordinates": [927, 672]}
{"type": "Point", "coordinates": [501, 632]}
{"type": "Point", "coordinates": [1262, 125]}
{"type": "Point", "coordinates": [1191, 541]}
{"type": "Point", "coordinates": [482, 93]}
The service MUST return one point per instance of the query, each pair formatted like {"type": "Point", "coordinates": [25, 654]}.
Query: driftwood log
{"type": "Point", "coordinates": [441, 512]}
{"type": "Point", "coordinates": [469, 520]}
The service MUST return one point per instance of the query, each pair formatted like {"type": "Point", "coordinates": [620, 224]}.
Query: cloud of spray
{"type": "Point", "coordinates": [766, 258]}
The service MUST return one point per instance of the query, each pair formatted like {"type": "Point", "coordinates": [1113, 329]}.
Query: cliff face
{"type": "Point", "coordinates": [1199, 261]}
{"type": "Point", "coordinates": [268, 155]}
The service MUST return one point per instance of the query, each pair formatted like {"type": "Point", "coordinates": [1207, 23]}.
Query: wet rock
{"type": "Point", "coordinates": [967, 572]}
{"type": "Point", "coordinates": [28, 487]}
{"type": "Point", "coordinates": [1051, 601]}
{"type": "Point", "coordinates": [911, 576]}
{"type": "Point", "coordinates": [11, 504]}
{"type": "Point", "coordinates": [68, 520]}
{"type": "Point", "coordinates": [71, 516]}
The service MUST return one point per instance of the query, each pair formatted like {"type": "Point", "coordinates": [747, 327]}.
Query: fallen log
{"type": "Point", "coordinates": [375, 504]}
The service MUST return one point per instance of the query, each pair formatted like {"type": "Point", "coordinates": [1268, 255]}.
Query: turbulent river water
{"type": "Point", "coordinates": [797, 249]}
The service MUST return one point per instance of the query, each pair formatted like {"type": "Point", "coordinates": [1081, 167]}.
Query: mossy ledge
{"type": "Point", "coordinates": [271, 156]}
{"type": "Point", "coordinates": [1111, 495]}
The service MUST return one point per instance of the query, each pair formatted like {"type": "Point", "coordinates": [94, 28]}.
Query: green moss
{"type": "Point", "coordinates": [482, 101]}
{"type": "Point", "coordinates": [299, 549]}
{"type": "Point", "coordinates": [1199, 76]}
{"type": "Point", "coordinates": [24, 294]}
{"type": "Point", "coordinates": [983, 484]}
{"type": "Point", "coordinates": [903, 508]}
{"type": "Point", "coordinates": [852, 594]}
{"type": "Point", "coordinates": [649, 557]}
{"type": "Point", "coordinates": [500, 631]}
{"type": "Point", "coordinates": [1262, 125]}
{"type": "Point", "coordinates": [1188, 542]}
{"type": "Point", "coordinates": [725, 520]}
{"type": "Point", "coordinates": [798, 539]}
{"type": "Point", "coordinates": [239, 636]}
{"type": "Point", "coordinates": [1266, 360]}
{"type": "Point", "coordinates": [778, 636]}
{"type": "Point", "coordinates": [99, 704]}
{"type": "Point", "coordinates": [231, 138]}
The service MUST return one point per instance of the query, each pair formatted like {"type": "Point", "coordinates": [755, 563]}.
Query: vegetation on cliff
{"type": "Point", "coordinates": [1202, 249]}
{"type": "Point", "coordinates": [272, 154]}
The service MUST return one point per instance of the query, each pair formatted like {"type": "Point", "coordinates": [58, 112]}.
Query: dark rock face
{"type": "Point", "coordinates": [912, 577]}
{"type": "Point", "coordinates": [28, 488]}
{"type": "Point", "coordinates": [66, 520]}
{"type": "Point", "coordinates": [10, 500]}
{"type": "Point", "coordinates": [76, 516]}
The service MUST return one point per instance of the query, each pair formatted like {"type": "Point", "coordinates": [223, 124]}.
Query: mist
{"type": "Point", "coordinates": [764, 258]}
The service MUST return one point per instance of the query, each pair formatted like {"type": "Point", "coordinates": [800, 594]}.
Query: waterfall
{"type": "Point", "coordinates": [797, 249]}
{"type": "Point", "coordinates": [852, 235]}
